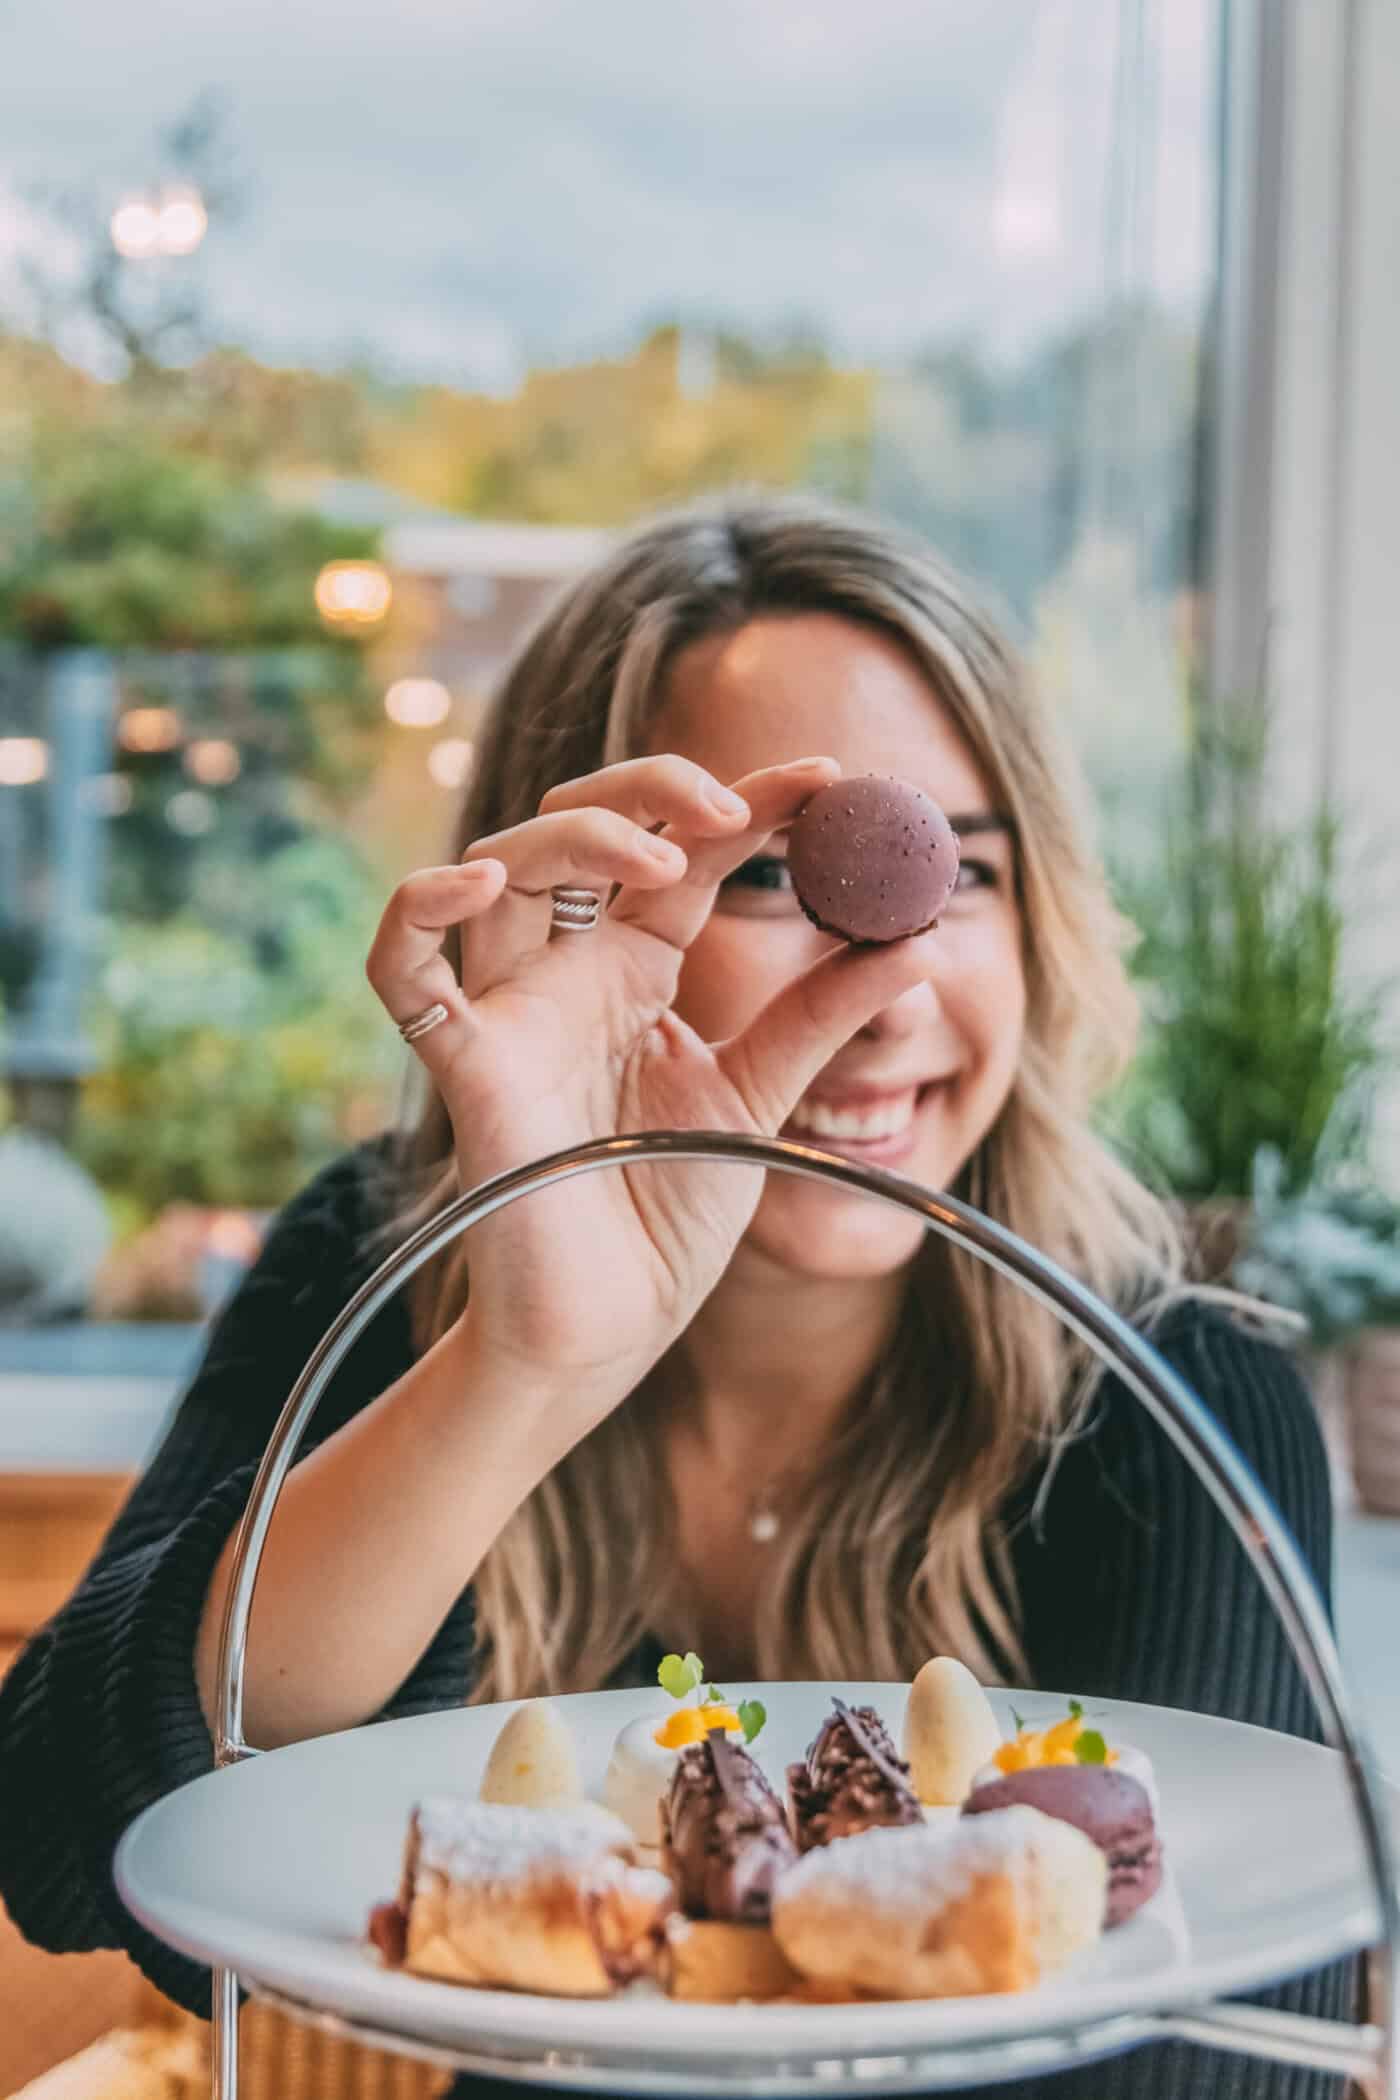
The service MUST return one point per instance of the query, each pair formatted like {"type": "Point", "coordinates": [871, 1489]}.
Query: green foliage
{"type": "Point", "coordinates": [1330, 1255]}
{"type": "Point", "coordinates": [225, 1081]}
{"type": "Point", "coordinates": [1257, 1037]}
{"type": "Point", "coordinates": [110, 537]}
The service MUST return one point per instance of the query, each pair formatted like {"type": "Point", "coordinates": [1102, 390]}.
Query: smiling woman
{"type": "Point", "coordinates": [687, 1405]}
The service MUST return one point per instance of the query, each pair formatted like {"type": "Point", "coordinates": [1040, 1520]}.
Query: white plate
{"type": "Point", "coordinates": [270, 1868]}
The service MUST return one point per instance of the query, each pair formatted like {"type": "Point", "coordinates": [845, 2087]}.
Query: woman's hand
{"type": "Point", "coordinates": [550, 1042]}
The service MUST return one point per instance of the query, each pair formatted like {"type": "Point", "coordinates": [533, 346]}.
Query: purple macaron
{"type": "Point", "coordinates": [1106, 1805]}
{"type": "Point", "coordinates": [872, 860]}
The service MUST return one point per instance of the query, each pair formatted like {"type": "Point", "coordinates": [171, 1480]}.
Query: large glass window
{"type": "Point", "coordinates": [313, 390]}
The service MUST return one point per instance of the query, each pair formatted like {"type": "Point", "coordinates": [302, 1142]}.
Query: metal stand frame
{"type": "Point", "coordinates": [1367, 2053]}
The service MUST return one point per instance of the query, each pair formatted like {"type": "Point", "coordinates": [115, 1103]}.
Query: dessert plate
{"type": "Point", "coordinates": [271, 1866]}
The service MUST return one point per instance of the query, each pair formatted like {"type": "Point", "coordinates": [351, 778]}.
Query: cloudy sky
{"type": "Point", "coordinates": [462, 187]}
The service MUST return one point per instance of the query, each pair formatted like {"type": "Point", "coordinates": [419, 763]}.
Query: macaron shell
{"type": "Point", "coordinates": [872, 860]}
{"type": "Point", "coordinates": [1108, 1806]}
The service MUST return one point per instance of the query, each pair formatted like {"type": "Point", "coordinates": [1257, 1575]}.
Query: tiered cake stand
{"type": "Point", "coordinates": [1366, 2053]}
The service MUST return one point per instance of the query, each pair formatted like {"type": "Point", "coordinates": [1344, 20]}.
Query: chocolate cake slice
{"type": "Point", "coordinates": [853, 1779]}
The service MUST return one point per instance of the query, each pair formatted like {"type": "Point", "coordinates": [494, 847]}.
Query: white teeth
{"type": "Point", "coordinates": [883, 1119]}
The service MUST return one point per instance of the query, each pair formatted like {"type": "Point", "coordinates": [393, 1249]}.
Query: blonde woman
{"type": "Point", "coordinates": [688, 1406]}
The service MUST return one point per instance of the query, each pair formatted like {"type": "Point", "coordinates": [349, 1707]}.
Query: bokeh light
{"type": "Point", "coordinates": [417, 703]}
{"type": "Point", "coordinates": [109, 794]}
{"type": "Point", "coordinates": [213, 761]}
{"type": "Point", "coordinates": [174, 223]}
{"type": "Point", "coordinates": [183, 221]}
{"type": "Point", "coordinates": [353, 593]}
{"type": "Point", "coordinates": [191, 812]}
{"type": "Point", "coordinates": [23, 760]}
{"type": "Point", "coordinates": [149, 729]}
{"type": "Point", "coordinates": [450, 761]}
{"type": "Point", "coordinates": [135, 229]}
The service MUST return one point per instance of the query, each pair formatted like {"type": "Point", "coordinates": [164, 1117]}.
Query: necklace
{"type": "Point", "coordinates": [763, 1515]}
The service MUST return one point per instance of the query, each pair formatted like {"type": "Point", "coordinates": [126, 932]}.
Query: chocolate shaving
{"type": "Point", "coordinates": [869, 1743]}
{"type": "Point", "coordinates": [852, 1780]}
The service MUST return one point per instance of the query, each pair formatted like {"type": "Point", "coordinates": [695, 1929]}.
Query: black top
{"type": "Point", "coordinates": [1131, 1587]}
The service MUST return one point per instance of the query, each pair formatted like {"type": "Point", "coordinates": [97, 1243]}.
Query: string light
{"type": "Point", "coordinates": [417, 703]}
{"type": "Point", "coordinates": [172, 223]}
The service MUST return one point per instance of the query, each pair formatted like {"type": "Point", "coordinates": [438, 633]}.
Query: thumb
{"type": "Point", "coordinates": [773, 1061]}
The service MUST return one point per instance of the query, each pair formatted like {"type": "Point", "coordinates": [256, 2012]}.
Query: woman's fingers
{"type": "Point", "coordinates": [580, 848]}
{"type": "Point", "coordinates": [651, 791]}
{"type": "Point", "coordinates": [780, 1053]}
{"type": "Point", "coordinates": [774, 798]}
{"type": "Point", "coordinates": [406, 965]}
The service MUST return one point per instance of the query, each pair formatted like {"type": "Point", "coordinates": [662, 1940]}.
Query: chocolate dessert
{"type": "Point", "coordinates": [726, 1837]}
{"type": "Point", "coordinates": [872, 860]}
{"type": "Point", "coordinates": [853, 1779]}
{"type": "Point", "coordinates": [1108, 1806]}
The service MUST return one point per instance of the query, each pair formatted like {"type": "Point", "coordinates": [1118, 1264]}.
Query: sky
{"type": "Point", "coordinates": [457, 189]}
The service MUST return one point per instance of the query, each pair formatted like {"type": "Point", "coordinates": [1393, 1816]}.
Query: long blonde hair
{"type": "Point", "coordinates": [897, 1549]}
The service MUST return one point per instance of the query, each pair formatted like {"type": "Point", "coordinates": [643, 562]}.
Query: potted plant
{"type": "Point", "coordinates": [1258, 1040]}
{"type": "Point", "coordinates": [1333, 1257]}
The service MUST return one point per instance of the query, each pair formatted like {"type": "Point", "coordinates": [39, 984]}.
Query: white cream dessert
{"type": "Point", "coordinates": [532, 1762]}
{"type": "Point", "coordinates": [950, 1732]}
{"type": "Point", "coordinates": [644, 1757]}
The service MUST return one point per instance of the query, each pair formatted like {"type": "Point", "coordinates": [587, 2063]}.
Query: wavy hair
{"type": "Point", "coordinates": [897, 1549]}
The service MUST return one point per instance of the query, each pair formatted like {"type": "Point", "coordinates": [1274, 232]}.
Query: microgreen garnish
{"type": "Point", "coordinates": [1076, 1710]}
{"type": "Point", "coordinates": [679, 1674]}
{"type": "Point", "coordinates": [1090, 1747]}
{"type": "Point", "coordinates": [1017, 1722]}
{"type": "Point", "coordinates": [714, 1696]}
{"type": "Point", "coordinates": [752, 1715]}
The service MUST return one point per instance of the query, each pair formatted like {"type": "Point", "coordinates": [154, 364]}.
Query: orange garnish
{"type": "Point", "coordinates": [691, 1724]}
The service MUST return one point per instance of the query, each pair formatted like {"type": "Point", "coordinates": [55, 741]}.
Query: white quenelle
{"type": "Point", "coordinates": [533, 1763]}
{"type": "Point", "coordinates": [638, 1776]}
{"type": "Point", "coordinates": [950, 1731]}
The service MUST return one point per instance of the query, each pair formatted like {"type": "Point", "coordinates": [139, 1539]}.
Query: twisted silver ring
{"type": "Point", "coordinates": [574, 911]}
{"type": "Point", "coordinates": [420, 1024]}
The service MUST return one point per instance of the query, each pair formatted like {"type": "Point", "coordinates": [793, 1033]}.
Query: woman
{"type": "Point", "coordinates": [689, 1406]}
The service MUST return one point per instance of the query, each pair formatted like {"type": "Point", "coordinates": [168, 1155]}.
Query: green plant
{"type": "Point", "coordinates": [1257, 1037]}
{"type": "Point", "coordinates": [233, 1065]}
{"type": "Point", "coordinates": [1332, 1255]}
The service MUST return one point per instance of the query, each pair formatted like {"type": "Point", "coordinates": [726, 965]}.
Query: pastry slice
{"type": "Point", "coordinates": [523, 1899]}
{"type": "Point", "coordinates": [994, 1905]}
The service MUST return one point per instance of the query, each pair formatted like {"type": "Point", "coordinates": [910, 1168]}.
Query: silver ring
{"type": "Point", "coordinates": [574, 911]}
{"type": "Point", "coordinates": [422, 1023]}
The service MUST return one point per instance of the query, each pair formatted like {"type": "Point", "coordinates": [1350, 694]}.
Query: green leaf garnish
{"type": "Point", "coordinates": [1090, 1747]}
{"type": "Point", "coordinates": [714, 1696]}
{"type": "Point", "coordinates": [679, 1674]}
{"type": "Point", "coordinates": [752, 1715]}
{"type": "Point", "coordinates": [1076, 1710]}
{"type": "Point", "coordinates": [1017, 1722]}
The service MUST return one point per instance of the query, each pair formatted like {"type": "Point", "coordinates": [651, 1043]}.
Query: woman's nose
{"type": "Point", "coordinates": [904, 1016]}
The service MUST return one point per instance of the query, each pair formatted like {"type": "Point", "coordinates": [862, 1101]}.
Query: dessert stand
{"type": "Point", "coordinates": [1366, 2053]}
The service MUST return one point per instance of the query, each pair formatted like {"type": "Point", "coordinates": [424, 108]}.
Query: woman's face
{"type": "Point", "coordinates": [919, 1087]}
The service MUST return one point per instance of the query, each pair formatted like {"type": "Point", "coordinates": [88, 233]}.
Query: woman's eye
{"type": "Point", "coordinates": [975, 875]}
{"type": "Point", "coordinates": [762, 886]}
{"type": "Point", "coordinates": [766, 871]}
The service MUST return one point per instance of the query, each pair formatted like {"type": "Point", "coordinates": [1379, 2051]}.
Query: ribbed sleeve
{"type": "Point", "coordinates": [1134, 1587]}
{"type": "Point", "coordinates": [100, 1716]}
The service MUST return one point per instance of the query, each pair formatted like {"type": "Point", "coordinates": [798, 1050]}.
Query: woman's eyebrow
{"type": "Point", "coordinates": [969, 822]}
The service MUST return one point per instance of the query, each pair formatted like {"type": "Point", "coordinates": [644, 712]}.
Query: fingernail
{"type": "Point", "coordinates": [811, 765]}
{"type": "Point", "coordinates": [726, 801]}
{"type": "Point", "coordinates": [662, 849]}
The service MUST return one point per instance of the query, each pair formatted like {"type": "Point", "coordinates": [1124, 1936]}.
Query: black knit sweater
{"type": "Point", "coordinates": [1131, 1586]}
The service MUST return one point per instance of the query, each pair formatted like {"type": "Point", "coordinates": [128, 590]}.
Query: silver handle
{"type": "Point", "coordinates": [1168, 1399]}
